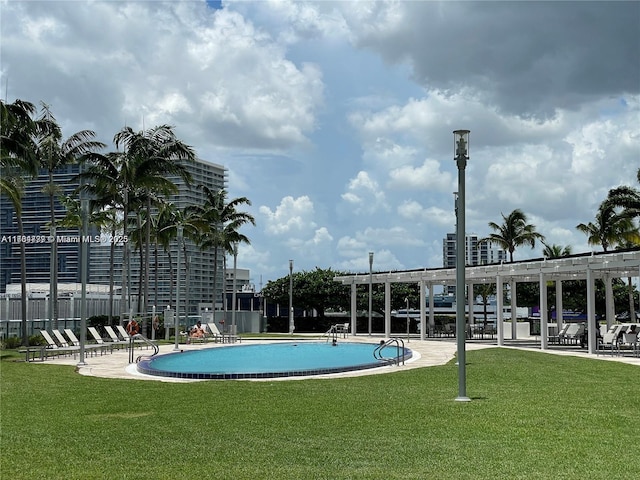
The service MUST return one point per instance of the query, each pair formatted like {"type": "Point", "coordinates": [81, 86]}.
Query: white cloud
{"type": "Point", "coordinates": [292, 216]}
{"type": "Point", "coordinates": [364, 195]}
{"type": "Point", "coordinates": [426, 176]}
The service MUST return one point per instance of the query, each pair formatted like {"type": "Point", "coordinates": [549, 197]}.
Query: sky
{"type": "Point", "coordinates": [335, 119]}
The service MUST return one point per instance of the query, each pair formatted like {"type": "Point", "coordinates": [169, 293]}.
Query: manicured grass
{"type": "Point", "coordinates": [533, 416]}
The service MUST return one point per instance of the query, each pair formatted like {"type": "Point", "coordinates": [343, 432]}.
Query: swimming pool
{"type": "Point", "coordinates": [268, 360]}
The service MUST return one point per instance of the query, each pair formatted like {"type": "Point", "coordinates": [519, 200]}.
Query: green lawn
{"type": "Point", "coordinates": [533, 416]}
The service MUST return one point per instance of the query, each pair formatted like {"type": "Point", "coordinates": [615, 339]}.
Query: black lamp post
{"type": "Point", "coordinates": [461, 149]}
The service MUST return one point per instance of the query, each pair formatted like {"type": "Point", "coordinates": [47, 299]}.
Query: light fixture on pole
{"type": "Point", "coordinates": [461, 149]}
{"type": "Point", "coordinates": [370, 288]}
{"type": "Point", "coordinates": [176, 322]}
{"type": "Point", "coordinates": [291, 324]}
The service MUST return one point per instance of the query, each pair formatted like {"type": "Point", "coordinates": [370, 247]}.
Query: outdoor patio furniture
{"type": "Point", "coordinates": [52, 345]}
{"type": "Point", "coordinates": [114, 336]}
{"type": "Point", "coordinates": [88, 346]}
{"type": "Point", "coordinates": [558, 338]}
{"type": "Point", "coordinates": [630, 342]}
{"type": "Point", "coordinates": [573, 334]}
{"type": "Point", "coordinates": [126, 337]}
{"type": "Point", "coordinates": [609, 343]}
{"type": "Point", "coordinates": [99, 340]}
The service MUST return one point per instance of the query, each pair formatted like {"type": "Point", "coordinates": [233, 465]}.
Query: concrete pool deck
{"type": "Point", "coordinates": [426, 353]}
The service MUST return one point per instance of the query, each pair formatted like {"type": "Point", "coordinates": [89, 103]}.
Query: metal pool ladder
{"type": "Point", "coordinates": [399, 343]}
{"type": "Point", "coordinates": [153, 345]}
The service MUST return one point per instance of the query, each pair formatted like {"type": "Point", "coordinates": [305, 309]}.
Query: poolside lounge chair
{"type": "Point", "coordinates": [76, 343]}
{"type": "Point", "coordinates": [226, 337]}
{"type": "Point", "coordinates": [342, 328]}
{"type": "Point", "coordinates": [114, 336]}
{"type": "Point", "coordinates": [52, 345]}
{"type": "Point", "coordinates": [61, 340]}
{"type": "Point", "coordinates": [126, 337]}
{"type": "Point", "coordinates": [213, 332]}
{"type": "Point", "coordinates": [573, 334]}
{"type": "Point", "coordinates": [629, 341]}
{"type": "Point", "coordinates": [96, 336]}
{"type": "Point", "coordinates": [563, 331]}
{"type": "Point", "coordinates": [609, 342]}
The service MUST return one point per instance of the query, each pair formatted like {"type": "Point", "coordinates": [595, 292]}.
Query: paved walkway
{"type": "Point", "coordinates": [426, 353]}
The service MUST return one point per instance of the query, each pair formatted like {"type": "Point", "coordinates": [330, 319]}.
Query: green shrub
{"type": "Point", "coordinates": [11, 342]}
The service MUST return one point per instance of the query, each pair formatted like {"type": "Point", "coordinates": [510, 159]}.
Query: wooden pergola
{"type": "Point", "coordinates": [590, 266]}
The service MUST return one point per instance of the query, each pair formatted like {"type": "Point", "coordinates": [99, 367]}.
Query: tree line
{"type": "Point", "coordinates": [125, 191]}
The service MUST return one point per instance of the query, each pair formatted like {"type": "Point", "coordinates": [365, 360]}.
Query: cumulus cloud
{"type": "Point", "coordinates": [210, 72]}
{"type": "Point", "coordinates": [363, 195]}
{"type": "Point", "coordinates": [292, 216]}
{"type": "Point", "coordinates": [525, 58]}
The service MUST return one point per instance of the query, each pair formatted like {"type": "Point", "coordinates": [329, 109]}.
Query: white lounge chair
{"type": "Point", "coordinates": [573, 333]}
{"type": "Point", "coordinates": [629, 341]}
{"type": "Point", "coordinates": [76, 343]}
{"type": "Point", "coordinates": [226, 337]}
{"type": "Point", "coordinates": [52, 345]}
{"type": "Point", "coordinates": [608, 342]}
{"type": "Point", "coordinates": [99, 340]}
{"type": "Point", "coordinates": [125, 336]}
{"type": "Point", "coordinates": [114, 336]}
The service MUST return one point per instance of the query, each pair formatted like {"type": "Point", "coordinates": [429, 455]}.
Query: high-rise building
{"type": "Point", "coordinates": [37, 237]}
{"type": "Point", "coordinates": [475, 253]}
{"type": "Point", "coordinates": [196, 265]}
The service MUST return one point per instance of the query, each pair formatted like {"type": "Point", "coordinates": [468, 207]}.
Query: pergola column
{"type": "Point", "coordinates": [423, 308]}
{"type": "Point", "coordinates": [591, 311]}
{"type": "Point", "coordinates": [544, 321]}
{"type": "Point", "coordinates": [559, 306]}
{"type": "Point", "coordinates": [387, 308]}
{"type": "Point", "coordinates": [354, 307]}
{"type": "Point", "coordinates": [432, 313]}
{"type": "Point", "coordinates": [499, 307]}
{"type": "Point", "coordinates": [609, 303]}
{"type": "Point", "coordinates": [471, 302]}
{"type": "Point", "coordinates": [514, 306]}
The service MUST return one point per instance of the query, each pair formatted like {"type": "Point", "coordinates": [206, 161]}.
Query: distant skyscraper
{"type": "Point", "coordinates": [36, 217]}
{"type": "Point", "coordinates": [197, 266]}
{"type": "Point", "coordinates": [475, 253]}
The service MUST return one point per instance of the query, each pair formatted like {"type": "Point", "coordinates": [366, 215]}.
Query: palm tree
{"type": "Point", "coordinates": [150, 158]}
{"type": "Point", "coordinates": [17, 160]}
{"type": "Point", "coordinates": [54, 153]}
{"type": "Point", "coordinates": [514, 232]}
{"type": "Point", "coordinates": [224, 222]}
{"type": "Point", "coordinates": [627, 198]}
{"type": "Point", "coordinates": [609, 228]}
{"type": "Point", "coordinates": [555, 251]}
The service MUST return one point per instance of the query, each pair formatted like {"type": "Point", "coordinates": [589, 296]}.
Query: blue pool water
{"type": "Point", "coordinates": [268, 360]}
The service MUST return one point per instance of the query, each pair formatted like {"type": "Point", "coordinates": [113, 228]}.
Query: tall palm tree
{"type": "Point", "coordinates": [627, 198]}
{"type": "Point", "coordinates": [150, 158]}
{"type": "Point", "coordinates": [609, 228]}
{"type": "Point", "coordinates": [17, 161]}
{"type": "Point", "coordinates": [224, 222]}
{"type": "Point", "coordinates": [513, 233]}
{"type": "Point", "coordinates": [53, 154]}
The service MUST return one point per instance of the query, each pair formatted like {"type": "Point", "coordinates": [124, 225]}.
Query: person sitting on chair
{"type": "Point", "coordinates": [197, 331]}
